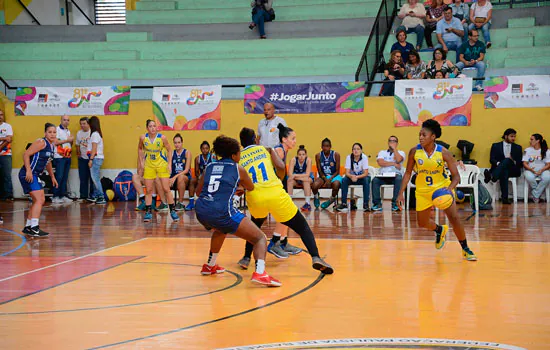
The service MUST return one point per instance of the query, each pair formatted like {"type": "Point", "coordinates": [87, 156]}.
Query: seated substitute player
{"type": "Point", "coordinates": [328, 165]}
{"type": "Point", "coordinates": [300, 174]}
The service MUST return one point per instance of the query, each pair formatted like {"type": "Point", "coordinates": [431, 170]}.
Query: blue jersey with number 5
{"type": "Point", "coordinates": [220, 183]}
{"type": "Point", "coordinates": [430, 169]}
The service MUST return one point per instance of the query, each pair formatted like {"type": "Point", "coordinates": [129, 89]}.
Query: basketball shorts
{"type": "Point", "coordinates": [151, 173]}
{"type": "Point", "coordinates": [424, 198]}
{"type": "Point", "coordinates": [212, 217]}
{"type": "Point", "coordinates": [334, 178]}
{"type": "Point", "coordinates": [35, 185]}
{"type": "Point", "coordinates": [274, 201]}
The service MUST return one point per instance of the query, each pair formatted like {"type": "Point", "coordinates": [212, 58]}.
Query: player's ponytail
{"type": "Point", "coordinates": [247, 137]}
{"type": "Point", "coordinates": [543, 145]}
{"type": "Point", "coordinates": [284, 131]}
{"type": "Point", "coordinates": [47, 126]}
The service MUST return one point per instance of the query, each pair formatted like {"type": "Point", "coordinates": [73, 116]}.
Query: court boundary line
{"type": "Point", "coordinates": [303, 290]}
{"type": "Point", "coordinates": [237, 281]}
{"type": "Point", "coordinates": [71, 260]}
{"type": "Point", "coordinates": [23, 241]}
{"type": "Point", "coordinates": [72, 280]}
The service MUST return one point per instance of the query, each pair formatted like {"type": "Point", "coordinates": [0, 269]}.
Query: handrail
{"type": "Point", "coordinates": [79, 9]}
{"type": "Point", "coordinates": [28, 12]}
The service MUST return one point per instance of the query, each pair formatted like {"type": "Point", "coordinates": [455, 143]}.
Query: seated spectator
{"type": "Point", "coordinates": [328, 165]}
{"type": "Point", "coordinates": [390, 173]}
{"type": "Point", "coordinates": [480, 18]}
{"type": "Point", "coordinates": [300, 174]}
{"type": "Point", "coordinates": [415, 67]}
{"type": "Point", "coordinates": [434, 15]}
{"type": "Point", "coordinates": [413, 13]}
{"type": "Point", "coordinates": [395, 70]}
{"type": "Point", "coordinates": [440, 63]}
{"type": "Point", "coordinates": [357, 173]}
{"type": "Point", "coordinates": [439, 75]}
{"type": "Point", "coordinates": [505, 162]}
{"type": "Point", "coordinates": [262, 11]}
{"type": "Point", "coordinates": [449, 32]}
{"type": "Point", "coordinates": [402, 45]}
{"type": "Point", "coordinates": [471, 55]}
{"type": "Point", "coordinates": [462, 12]}
{"type": "Point", "coordinates": [536, 161]}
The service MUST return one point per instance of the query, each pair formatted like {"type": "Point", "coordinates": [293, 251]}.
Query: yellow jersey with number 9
{"type": "Point", "coordinates": [256, 160]}
{"type": "Point", "coordinates": [430, 170]}
{"type": "Point", "coordinates": [155, 153]}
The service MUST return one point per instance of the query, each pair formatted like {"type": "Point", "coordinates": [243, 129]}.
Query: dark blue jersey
{"type": "Point", "coordinates": [328, 164]}
{"type": "Point", "coordinates": [178, 162]}
{"type": "Point", "coordinates": [220, 183]}
{"type": "Point", "coordinates": [300, 168]}
{"type": "Point", "coordinates": [40, 159]}
{"type": "Point", "coordinates": [204, 162]}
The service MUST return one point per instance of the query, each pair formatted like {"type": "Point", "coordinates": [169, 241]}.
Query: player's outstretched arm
{"type": "Point", "coordinates": [245, 181]}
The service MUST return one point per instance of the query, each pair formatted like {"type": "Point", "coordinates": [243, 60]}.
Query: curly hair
{"type": "Point", "coordinates": [433, 126]}
{"type": "Point", "coordinates": [225, 146]}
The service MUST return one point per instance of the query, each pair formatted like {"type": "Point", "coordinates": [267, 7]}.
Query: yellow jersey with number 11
{"type": "Point", "coordinates": [256, 160]}
{"type": "Point", "coordinates": [430, 170]}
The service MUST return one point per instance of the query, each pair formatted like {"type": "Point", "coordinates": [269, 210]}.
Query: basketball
{"type": "Point", "coordinates": [460, 196]}
{"type": "Point", "coordinates": [110, 195]}
{"type": "Point", "coordinates": [442, 198]}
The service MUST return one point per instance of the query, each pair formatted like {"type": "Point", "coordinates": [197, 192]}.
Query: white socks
{"type": "Point", "coordinates": [34, 222]}
{"type": "Point", "coordinates": [212, 259]}
{"type": "Point", "coordinates": [308, 199]}
{"type": "Point", "coordinates": [260, 266]}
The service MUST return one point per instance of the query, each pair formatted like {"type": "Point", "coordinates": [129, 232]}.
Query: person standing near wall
{"type": "Point", "coordinates": [82, 139]}
{"type": "Point", "coordinates": [268, 133]}
{"type": "Point", "coordinates": [62, 160]}
{"type": "Point", "coordinates": [6, 136]}
{"type": "Point", "coordinates": [96, 157]}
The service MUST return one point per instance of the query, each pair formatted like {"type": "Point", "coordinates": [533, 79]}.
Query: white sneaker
{"type": "Point", "coordinates": [57, 200]}
{"type": "Point", "coordinates": [66, 200]}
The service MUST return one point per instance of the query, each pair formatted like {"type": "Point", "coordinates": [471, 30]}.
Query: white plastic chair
{"type": "Point", "coordinates": [469, 179]}
{"type": "Point", "coordinates": [526, 192]}
{"type": "Point", "coordinates": [352, 188]}
{"type": "Point", "coordinates": [496, 189]}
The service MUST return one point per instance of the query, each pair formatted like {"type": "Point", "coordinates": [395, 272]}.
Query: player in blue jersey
{"type": "Point", "coordinates": [201, 161]}
{"type": "Point", "coordinates": [180, 178]}
{"type": "Point", "coordinates": [35, 159]}
{"type": "Point", "coordinates": [300, 174]}
{"type": "Point", "coordinates": [428, 160]}
{"type": "Point", "coordinates": [215, 210]}
{"type": "Point", "coordinates": [328, 166]}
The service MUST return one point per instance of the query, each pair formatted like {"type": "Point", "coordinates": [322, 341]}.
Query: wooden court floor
{"type": "Point", "coordinates": [104, 279]}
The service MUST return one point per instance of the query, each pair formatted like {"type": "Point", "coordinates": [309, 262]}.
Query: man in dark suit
{"type": "Point", "coordinates": [505, 162]}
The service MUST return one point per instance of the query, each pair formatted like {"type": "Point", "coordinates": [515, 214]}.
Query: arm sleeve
{"type": "Point", "coordinates": [380, 155]}
{"type": "Point", "coordinates": [547, 158]}
{"type": "Point", "coordinates": [525, 156]}
{"type": "Point", "coordinates": [9, 131]}
{"type": "Point", "coordinates": [348, 162]}
{"type": "Point", "coordinates": [365, 162]}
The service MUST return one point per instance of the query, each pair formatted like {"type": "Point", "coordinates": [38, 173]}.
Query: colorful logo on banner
{"type": "Point", "coordinates": [526, 91]}
{"type": "Point", "coordinates": [306, 98]}
{"type": "Point", "coordinates": [449, 101]}
{"type": "Point", "coordinates": [113, 100]}
{"type": "Point", "coordinates": [187, 108]}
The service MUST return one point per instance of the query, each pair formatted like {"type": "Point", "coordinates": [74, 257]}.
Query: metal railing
{"type": "Point", "coordinates": [28, 12]}
{"type": "Point", "coordinates": [72, 2]}
{"type": "Point", "coordinates": [373, 52]}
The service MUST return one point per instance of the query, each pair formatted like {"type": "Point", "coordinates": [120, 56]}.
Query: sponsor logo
{"type": "Point", "coordinates": [517, 88]}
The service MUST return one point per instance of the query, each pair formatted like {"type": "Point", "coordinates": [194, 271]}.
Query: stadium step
{"type": "Point", "coordinates": [526, 41]}
{"type": "Point", "coordinates": [155, 5]}
{"type": "Point", "coordinates": [527, 61]}
{"type": "Point", "coordinates": [525, 22]}
{"type": "Point", "coordinates": [91, 74]}
{"type": "Point", "coordinates": [128, 36]}
{"type": "Point", "coordinates": [116, 55]}
{"type": "Point", "coordinates": [228, 4]}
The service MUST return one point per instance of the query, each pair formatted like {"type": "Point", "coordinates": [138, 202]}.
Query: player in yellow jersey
{"type": "Point", "coordinates": [269, 197]}
{"type": "Point", "coordinates": [428, 160]}
{"type": "Point", "coordinates": [155, 160]}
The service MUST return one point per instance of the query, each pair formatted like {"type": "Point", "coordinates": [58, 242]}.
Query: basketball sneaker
{"type": "Point", "coordinates": [211, 270]}
{"type": "Point", "coordinates": [174, 216]}
{"type": "Point", "coordinates": [353, 205]}
{"type": "Point", "coordinates": [342, 208]}
{"type": "Point", "coordinates": [321, 265]}
{"type": "Point", "coordinates": [191, 205]}
{"type": "Point", "coordinates": [469, 255]}
{"type": "Point", "coordinates": [440, 238]}
{"type": "Point", "coordinates": [290, 249]}
{"type": "Point", "coordinates": [141, 206]}
{"type": "Point", "coordinates": [148, 217]}
{"type": "Point", "coordinates": [162, 207]}
{"type": "Point", "coordinates": [316, 202]}
{"type": "Point", "coordinates": [395, 207]}
{"type": "Point", "coordinates": [265, 279]}
{"type": "Point", "coordinates": [306, 207]}
{"type": "Point", "coordinates": [327, 204]}
{"type": "Point", "coordinates": [101, 200]}
{"type": "Point", "coordinates": [244, 262]}
{"type": "Point", "coordinates": [277, 250]}
{"type": "Point", "coordinates": [377, 207]}
{"type": "Point", "coordinates": [35, 231]}
{"type": "Point", "coordinates": [179, 207]}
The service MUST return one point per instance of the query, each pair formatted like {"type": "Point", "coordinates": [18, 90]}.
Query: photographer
{"type": "Point", "coordinates": [262, 11]}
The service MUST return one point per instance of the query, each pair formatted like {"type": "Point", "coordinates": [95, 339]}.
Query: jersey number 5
{"type": "Point", "coordinates": [252, 172]}
{"type": "Point", "coordinates": [214, 183]}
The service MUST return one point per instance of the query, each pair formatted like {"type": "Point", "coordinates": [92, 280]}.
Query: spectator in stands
{"type": "Point", "coordinates": [82, 138]}
{"type": "Point", "coordinates": [536, 161]}
{"type": "Point", "coordinates": [268, 133]}
{"type": "Point", "coordinates": [96, 157]}
{"type": "Point", "coordinates": [506, 162]}
{"type": "Point", "coordinates": [402, 45]}
{"type": "Point", "coordinates": [415, 67]}
{"type": "Point", "coordinates": [262, 11]}
{"type": "Point", "coordinates": [471, 55]}
{"type": "Point", "coordinates": [434, 15]}
{"type": "Point", "coordinates": [440, 63]}
{"type": "Point", "coordinates": [6, 136]}
{"type": "Point", "coordinates": [395, 70]}
{"type": "Point", "coordinates": [413, 13]}
{"type": "Point", "coordinates": [62, 160]}
{"type": "Point", "coordinates": [449, 31]}
{"type": "Point", "coordinates": [462, 12]}
{"type": "Point", "coordinates": [357, 173]}
{"type": "Point", "coordinates": [480, 18]}
{"type": "Point", "coordinates": [439, 75]}
{"type": "Point", "coordinates": [390, 173]}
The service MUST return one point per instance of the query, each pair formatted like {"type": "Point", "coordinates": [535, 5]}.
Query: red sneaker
{"type": "Point", "coordinates": [265, 279]}
{"type": "Point", "coordinates": [211, 270]}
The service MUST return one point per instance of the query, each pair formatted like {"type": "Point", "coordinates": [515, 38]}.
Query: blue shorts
{"type": "Point", "coordinates": [335, 178]}
{"type": "Point", "coordinates": [212, 217]}
{"type": "Point", "coordinates": [35, 185]}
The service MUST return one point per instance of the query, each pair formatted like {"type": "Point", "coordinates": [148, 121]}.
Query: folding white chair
{"type": "Point", "coordinates": [469, 179]}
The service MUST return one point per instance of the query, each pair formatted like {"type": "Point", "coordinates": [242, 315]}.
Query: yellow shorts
{"type": "Point", "coordinates": [150, 173]}
{"type": "Point", "coordinates": [274, 201]}
{"type": "Point", "coordinates": [424, 199]}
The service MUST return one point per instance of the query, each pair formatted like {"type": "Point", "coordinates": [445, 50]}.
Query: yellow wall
{"type": "Point", "coordinates": [13, 9]}
{"type": "Point", "coordinates": [371, 128]}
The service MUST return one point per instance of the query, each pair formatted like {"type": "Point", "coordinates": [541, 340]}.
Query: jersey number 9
{"type": "Point", "coordinates": [429, 180]}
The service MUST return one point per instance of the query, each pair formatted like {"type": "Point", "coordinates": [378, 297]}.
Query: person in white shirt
{"type": "Point", "coordinates": [390, 173]}
{"type": "Point", "coordinates": [413, 13]}
{"type": "Point", "coordinates": [96, 157]}
{"type": "Point", "coordinates": [82, 139]}
{"type": "Point", "coordinates": [357, 173]}
{"type": "Point", "coordinates": [536, 161]}
{"type": "Point", "coordinates": [6, 137]}
{"type": "Point", "coordinates": [481, 13]}
{"type": "Point", "coordinates": [268, 134]}
{"type": "Point", "coordinates": [62, 160]}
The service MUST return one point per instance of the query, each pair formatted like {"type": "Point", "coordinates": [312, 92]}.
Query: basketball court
{"type": "Point", "coordinates": [104, 279]}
